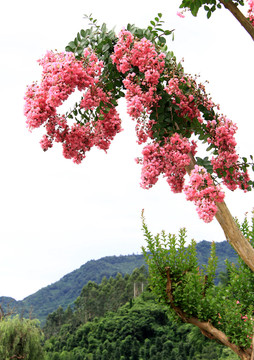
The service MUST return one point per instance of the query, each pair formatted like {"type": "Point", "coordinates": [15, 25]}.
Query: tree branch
{"type": "Point", "coordinates": [205, 327]}
{"type": "Point", "coordinates": [232, 232]}
{"type": "Point", "coordinates": [228, 4]}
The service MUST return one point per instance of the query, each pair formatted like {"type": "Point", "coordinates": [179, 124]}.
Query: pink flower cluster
{"type": "Point", "coordinates": [204, 193]}
{"type": "Point", "coordinates": [141, 94]}
{"type": "Point", "coordinates": [62, 74]}
{"type": "Point", "coordinates": [180, 14]}
{"type": "Point", "coordinates": [222, 133]}
{"type": "Point", "coordinates": [251, 11]}
{"type": "Point", "coordinates": [169, 159]}
{"type": "Point", "coordinates": [187, 104]}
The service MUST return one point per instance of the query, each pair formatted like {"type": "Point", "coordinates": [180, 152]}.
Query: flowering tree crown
{"type": "Point", "coordinates": [172, 111]}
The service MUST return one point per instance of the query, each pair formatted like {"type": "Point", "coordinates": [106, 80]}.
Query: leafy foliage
{"type": "Point", "coordinates": [178, 281]}
{"type": "Point", "coordinates": [20, 339]}
{"type": "Point", "coordinates": [141, 330]}
{"type": "Point", "coordinates": [95, 300]}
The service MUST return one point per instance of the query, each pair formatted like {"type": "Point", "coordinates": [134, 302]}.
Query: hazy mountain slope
{"type": "Point", "coordinates": [68, 288]}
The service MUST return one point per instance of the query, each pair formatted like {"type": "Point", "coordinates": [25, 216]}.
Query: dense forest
{"type": "Point", "coordinates": [119, 319]}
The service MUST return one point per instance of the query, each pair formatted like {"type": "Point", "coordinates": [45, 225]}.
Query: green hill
{"type": "Point", "coordinates": [65, 291]}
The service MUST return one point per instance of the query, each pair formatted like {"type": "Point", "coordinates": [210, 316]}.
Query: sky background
{"type": "Point", "coordinates": [55, 215]}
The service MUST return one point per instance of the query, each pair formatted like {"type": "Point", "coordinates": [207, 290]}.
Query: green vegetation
{"type": "Point", "coordinates": [141, 329]}
{"type": "Point", "coordinates": [20, 339]}
{"type": "Point", "coordinates": [117, 317]}
{"type": "Point", "coordinates": [223, 313]}
{"type": "Point", "coordinates": [97, 300]}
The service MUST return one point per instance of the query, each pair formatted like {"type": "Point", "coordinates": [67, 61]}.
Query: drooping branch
{"type": "Point", "coordinates": [228, 4]}
{"type": "Point", "coordinates": [205, 327]}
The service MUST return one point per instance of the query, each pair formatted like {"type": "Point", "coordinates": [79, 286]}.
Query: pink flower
{"type": "Point", "coordinates": [202, 191]}
{"type": "Point", "coordinates": [169, 160]}
{"type": "Point", "coordinates": [180, 14]}
{"type": "Point", "coordinates": [62, 74]}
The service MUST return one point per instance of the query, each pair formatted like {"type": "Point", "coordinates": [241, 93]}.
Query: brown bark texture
{"type": "Point", "coordinates": [228, 4]}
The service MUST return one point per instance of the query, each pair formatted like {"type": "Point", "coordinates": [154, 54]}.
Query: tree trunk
{"type": "Point", "coordinates": [228, 4]}
{"type": "Point", "coordinates": [234, 236]}
{"type": "Point", "coordinates": [232, 232]}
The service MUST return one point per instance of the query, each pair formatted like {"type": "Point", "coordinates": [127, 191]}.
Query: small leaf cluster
{"type": "Point", "coordinates": [154, 32]}
{"type": "Point", "coordinates": [191, 284]}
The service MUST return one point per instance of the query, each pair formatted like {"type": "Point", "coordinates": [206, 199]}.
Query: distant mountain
{"type": "Point", "coordinates": [65, 291]}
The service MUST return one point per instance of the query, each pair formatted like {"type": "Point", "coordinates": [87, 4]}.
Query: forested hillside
{"type": "Point", "coordinates": [100, 327]}
{"type": "Point", "coordinates": [65, 291]}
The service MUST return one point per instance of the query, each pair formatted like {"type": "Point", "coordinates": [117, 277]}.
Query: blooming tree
{"type": "Point", "coordinates": [172, 112]}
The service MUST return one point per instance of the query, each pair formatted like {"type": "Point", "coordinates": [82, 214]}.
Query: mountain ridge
{"type": "Point", "coordinates": [65, 291]}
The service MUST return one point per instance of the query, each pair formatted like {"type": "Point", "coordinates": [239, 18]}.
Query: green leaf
{"type": "Point", "coordinates": [83, 33]}
{"type": "Point", "coordinates": [105, 47]}
{"type": "Point", "coordinates": [162, 40]}
{"type": "Point", "coordinates": [72, 45]}
{"type": "Point", "coordinates": [78, 37]}
{"type": "Point", "coordinates": [68, 49]}
{"type": "Point", "coordinates": [194, 8]}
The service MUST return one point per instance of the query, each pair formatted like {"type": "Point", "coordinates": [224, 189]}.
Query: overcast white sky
{"type": "Point", "coordinates": [55, 215]}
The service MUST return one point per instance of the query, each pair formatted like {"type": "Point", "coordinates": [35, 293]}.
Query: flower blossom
{"type": "Point", "coordinates": [202, 191]}
{"type": "Point", "coordinates": [169, 160]}
{"type": "Point", "coordinates": [62, 74]}
{"type": "Point", "coordinates": [141, 91]}
{"type": "Point", "coordinates": [222, 133]}
{"type": "Point", "coordinates": [251, 11]}
{"type": "Point", "coordinates": [186, 103]}
{"type": "Point", "coordinates": [180, 14]}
